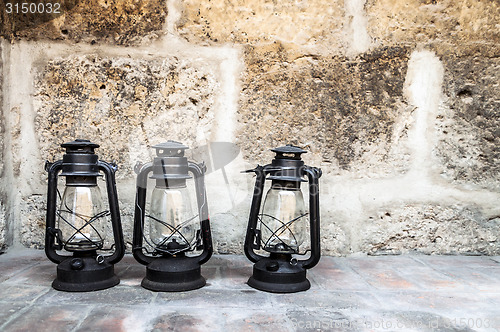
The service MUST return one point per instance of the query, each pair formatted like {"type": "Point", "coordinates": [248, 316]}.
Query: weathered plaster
{"type": "Point", "coordinates": [397, 102]}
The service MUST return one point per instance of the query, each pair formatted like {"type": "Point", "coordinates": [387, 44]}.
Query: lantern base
{"type": "Point", "coordinates": [84, 274]}
{"type": "Point", "coordinates": [278, 276]}
{"type": "Point", "coordinates": [173, 274]}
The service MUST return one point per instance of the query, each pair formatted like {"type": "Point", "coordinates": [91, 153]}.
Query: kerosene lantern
{"type": "Point", "coordinates": [177, 236]}
{"type": "Point", "coordinates": [280, 229]}
{"type": "Point", "coordinates": [78, 227]}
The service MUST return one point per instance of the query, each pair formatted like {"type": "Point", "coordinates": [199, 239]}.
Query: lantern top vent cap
{"type": "Point", "coordinates": [170, 149]}
{"type": "Point", "coordinates": [80, 146]}
{"type": "Point", "coordinates": [285, 152]}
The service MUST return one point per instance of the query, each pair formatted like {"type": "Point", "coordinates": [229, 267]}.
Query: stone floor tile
{"type": "Point", "coordinates": [397, 320]}
{"type": "Point", "coordinates": [326, 299]}
{"type": "Point", "coordinates": [425, 277]}
{"type": "Point", "coordinates": [382, 271]}
{"type": "Point", "coordinates": [115, 295]}
{"type": "Point", "coordinates": [233, 277]}
{"type": "Point", "coordinates": [441, 262]}
{"type": "Point", "coordinates": [183, 321]}
{"type": "Point", "coordinates": [337, 276]}
{"type": "Point", "coordinates": [209, 298]}
{"type": "Point", "coordinates": [453, 303]}
{"type": "Point", "coordinates": [347, 294]}
{"type": "Point", "coordinates": [18, 260]}
{"type": "Point", "coordinates": [21, 293]}
{"type": "Point", "coordinates": [257, 320]}
{"type": "Point", "coordinates": [386, 279]}
{"type": "Point", "coordinates": [41, 274]}
{"type": "Point", "coordinates": [9, 310]}
{"type": "Point", "coordinates": [381, 262]}
{"type": "Point", "coordinates": [106, 318]}
{"type": "Point", "coordinates": [61, 317]}
{"type": "Point", "coordinates": [326, 319]}
{"type": "Point", "coordinates": [228, 261]}
{"type": "Point", "coordinates": [475, 278]}
{"type": "Point", "coordinates": [160, 317]}
{"type": "Point", "coordinates": [131, 276]}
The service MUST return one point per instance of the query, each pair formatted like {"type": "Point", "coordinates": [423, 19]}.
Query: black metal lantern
{"type": "Point", "coordinates": [79, 225]}
{"type": "Point", "coordinates": [175, 230]}
{"type": "Point", "coordinates": [280, 228]}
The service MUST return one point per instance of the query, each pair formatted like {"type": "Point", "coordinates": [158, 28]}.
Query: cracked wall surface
{"type": "Point", "coordinates": [396, 101]}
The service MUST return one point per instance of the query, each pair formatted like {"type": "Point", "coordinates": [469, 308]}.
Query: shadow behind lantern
{"type": "Point", "coordinates": [281, 227]}
{"type": "Point", "coordinates": [171, 228]}
{"type": "Point", "coordinates": [79, 225]}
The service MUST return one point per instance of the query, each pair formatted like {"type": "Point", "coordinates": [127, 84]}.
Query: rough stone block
{"type": "Point", "coordinates": [3, 228]}
{"type": "Point", "coordinates": [32, 213]}
{"type": "Point", "coordinates": [431, 21]}
{"type": "Point", "coordinates": [430, 229]}
{"type": "Point", "coordinates": [122, 22]}
{"type": "Point", "coordinates": [299, 23]}
{"type": "Point", "coordinates": [469, 127]}
{"type": "Point", "coordinates": [3, 223]}
{"type": "Point", "coordinates": [125, 105]}
{"type": "Point", "coordinates": [343, 111]}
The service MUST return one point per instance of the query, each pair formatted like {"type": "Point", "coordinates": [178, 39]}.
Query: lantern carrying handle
{"type": "Point", "coordinates": [254, 212]}
{"type": "Point", "coordinates": [198, 171]}
{"type": "Point", "coordinates": [50, 222]}
{"type": "Point", "coordinates": [313, 174]}
{"type": "Point", "coordinates": [109, 170]}
{"type": "Point", "coordinates": [142, 171]}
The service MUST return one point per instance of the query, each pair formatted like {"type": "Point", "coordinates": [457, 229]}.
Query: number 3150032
{"type": "Point", "coordinates": [33, 8]}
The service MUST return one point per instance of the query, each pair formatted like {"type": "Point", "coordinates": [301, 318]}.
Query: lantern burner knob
{"type": "Point", "coordinates": [272, 266]}
{"type": "Point", "coordinates": [77, 264]}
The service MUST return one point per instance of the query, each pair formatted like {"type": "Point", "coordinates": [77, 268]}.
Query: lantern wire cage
{"type": "Point", "coordinates": [275, 235]}
{"type": "Point", "coordinates": [283, 229]}
{"type": "Point", "coordinates": [88, 221]}
{"type": "Point", "coordinates": [160, 248]}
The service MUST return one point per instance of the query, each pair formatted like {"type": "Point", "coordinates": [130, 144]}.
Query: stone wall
{"type": "Point", "coordinates": [3, 225]}
{"type": "Point", "coordinates": [396, 101]}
